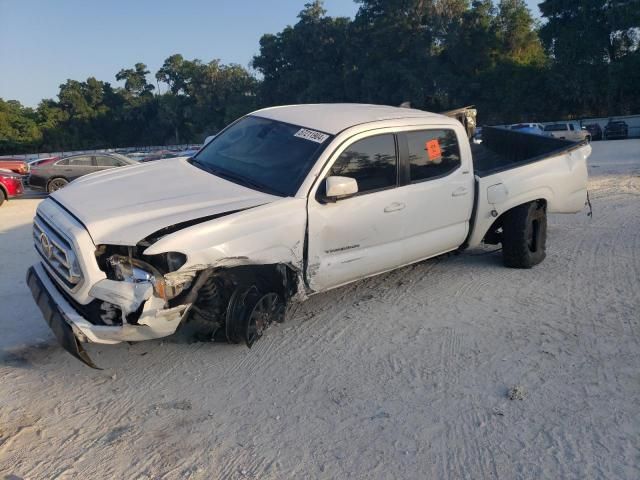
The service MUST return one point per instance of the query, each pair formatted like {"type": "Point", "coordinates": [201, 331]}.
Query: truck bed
{"type": "Point", "coordinates": [514, 168]}
{"type": "Point", "coordinates": [503, 149]}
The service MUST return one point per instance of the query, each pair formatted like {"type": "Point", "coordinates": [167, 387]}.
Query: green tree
{"type": "Point", "coordinates": [304, 62]}
{"type": "Point", "coordinates": [18, 128]}
{"type": "Point", "coordinates": [135, 80]}
{"type": "Point", "coordinates": [593, 44]}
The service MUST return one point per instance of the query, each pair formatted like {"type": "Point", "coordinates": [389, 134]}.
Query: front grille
{"type": "Point", "coordinates": [57, 252]}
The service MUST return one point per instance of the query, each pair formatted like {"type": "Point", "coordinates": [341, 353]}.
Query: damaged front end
{"type": "Point", "coordinates": [138, 300]}
{"type": "Point", "coordinates": [139, 289]}
{"type": "Point", "coordinates": [150, 289]}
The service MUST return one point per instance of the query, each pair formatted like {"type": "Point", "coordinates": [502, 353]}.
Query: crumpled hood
{"type": "Point", "coordinates": [123, 205]}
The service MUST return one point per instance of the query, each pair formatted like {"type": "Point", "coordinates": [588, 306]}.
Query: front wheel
{"type": "Point", "coordinates": [56, 184]}
{"type": "Point", "coordinates": [524, 235]}
{"type": "Point", "coordinates": [250, 312]}
{"type": "Point", "coordinates": [3, 197]}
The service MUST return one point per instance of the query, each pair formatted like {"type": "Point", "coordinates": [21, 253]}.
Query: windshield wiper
{"type": "Point", "coordinates": [248, 182]}
{"type": "Point", "coordinates": [236, 178]}
{"type": "Point", "coordinates": [201, 165]}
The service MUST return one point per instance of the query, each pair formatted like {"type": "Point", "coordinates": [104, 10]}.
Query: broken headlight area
{"type": "Point", "coordinates": [136, 271]}
{"type": "Point", "coordinates": [129, 264]}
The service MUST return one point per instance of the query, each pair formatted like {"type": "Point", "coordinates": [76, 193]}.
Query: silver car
{"type": "Point", "coordinates": [54, 176]}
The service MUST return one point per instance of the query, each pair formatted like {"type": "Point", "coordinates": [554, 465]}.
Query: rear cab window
{"type": "Point", "coordinates": [432, 154]}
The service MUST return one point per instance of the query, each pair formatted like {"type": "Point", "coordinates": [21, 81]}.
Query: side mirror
{"type": "Point", "coordinates": [340, 187]}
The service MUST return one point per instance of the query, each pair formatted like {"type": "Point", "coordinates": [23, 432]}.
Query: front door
{"type": "Point", "coordinates": [359, 236]}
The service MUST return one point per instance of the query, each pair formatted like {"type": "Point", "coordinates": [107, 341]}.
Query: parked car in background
{"type": "Point", "coordinates": [567, 131]}
{"type": "Point", "coordinates": [595, 130]}
{"type": "Point", "coordinates": [15, 165]}
{"type": "Point", "coordinates": [616, 129]}
{"type": "Point", "coordinates": [10, 185]}
{"type": "Point", "coordinates": [190, 152]}
{"type": "Point", "coordinates": [54, 176]}
{"type": "Point", "coordinates": [533, 128]}
{"type": "Point", "coordinates": [158, 156]}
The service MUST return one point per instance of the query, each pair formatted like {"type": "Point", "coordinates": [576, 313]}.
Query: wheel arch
{"type": "Point", "coordinates": [492, 235]}
{"type": "Point", "coordinates": [282, 278]}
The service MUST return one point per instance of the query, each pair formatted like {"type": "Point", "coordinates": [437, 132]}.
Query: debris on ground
{"type": "Point", "coordinates": [516, 392]}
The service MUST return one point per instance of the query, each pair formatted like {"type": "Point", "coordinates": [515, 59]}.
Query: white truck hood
{"type": "Point", "coordinates": [123, 205]}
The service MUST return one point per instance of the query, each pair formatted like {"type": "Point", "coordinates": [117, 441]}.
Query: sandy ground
{"type": "Point", "coordinates": [406, 375]}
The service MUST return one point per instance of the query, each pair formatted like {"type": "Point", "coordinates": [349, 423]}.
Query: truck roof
{"type": "Point", "coordinates": [333, 118]}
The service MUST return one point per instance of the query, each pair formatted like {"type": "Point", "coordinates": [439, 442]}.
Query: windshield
{"type": "Point", "coordinates": [263, 154]}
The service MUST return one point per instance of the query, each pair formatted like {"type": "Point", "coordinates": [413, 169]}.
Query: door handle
{"type": "Point", "coordinates": [458, 192]}
{"type": "Point", "coordinates": [394, 207]}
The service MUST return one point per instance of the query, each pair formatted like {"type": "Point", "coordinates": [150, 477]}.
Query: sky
{"type": "Point", "coordinates": [45, 42]}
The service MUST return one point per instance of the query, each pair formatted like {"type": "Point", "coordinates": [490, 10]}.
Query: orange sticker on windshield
{"type": "Point", "coordinates": [433, 149]}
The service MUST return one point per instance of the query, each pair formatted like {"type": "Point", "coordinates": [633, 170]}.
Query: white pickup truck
{"type": "Point", "coordinates": [284, 203]}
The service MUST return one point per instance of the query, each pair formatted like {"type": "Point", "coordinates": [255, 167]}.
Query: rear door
{"type": "Point", "coordinates": [104, 162]}
{"type": "Point", "coordinates": [438, 191]}
{"type": "Point", "coordinates": [361, 235]}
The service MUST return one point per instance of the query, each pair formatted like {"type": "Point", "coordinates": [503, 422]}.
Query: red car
{"type": "Point", "coordinates": [16, 165]}
{"type": "Point", "coordinates": [10, 186]}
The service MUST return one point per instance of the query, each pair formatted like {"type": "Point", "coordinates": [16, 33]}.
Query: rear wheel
{"type": "Point", "coordinates": [524, 235]}
{"type": "Point", "coordinates": [56, 184]}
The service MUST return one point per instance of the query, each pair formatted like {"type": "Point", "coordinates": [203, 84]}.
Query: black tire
{"type": "Point", "coordinates": [56, 184]}
{"type": "Point", "coordinates": [3, 197]}
{"type": "Point", "coordinates": [524, 235]}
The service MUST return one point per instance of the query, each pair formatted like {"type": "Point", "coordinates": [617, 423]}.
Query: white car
{"type": "Point", "coordinates": [284, 203]}
{"type": "Point", "coordinates": [567, 131]}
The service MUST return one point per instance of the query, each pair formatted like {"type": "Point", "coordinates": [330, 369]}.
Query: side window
{"type": "Point", "coordinates": [64, 161]}
{"type": "Point", "coordinates": [371, 161]}
{"type": "Point", "coordinates": [571, 127]}
{"type": "Point", "coordinates": [107, 162]}
{"type": "Point", "coordinates": [80, 161]}
{"type": "Point", "coordinates": [432, 153]}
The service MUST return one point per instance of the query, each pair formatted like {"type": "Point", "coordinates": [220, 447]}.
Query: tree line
{"type": "Point", "coordinates": [580, 59]}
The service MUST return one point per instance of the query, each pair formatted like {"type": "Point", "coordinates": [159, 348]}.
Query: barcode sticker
{"type": "Point", "coordinates": [312, 135]}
